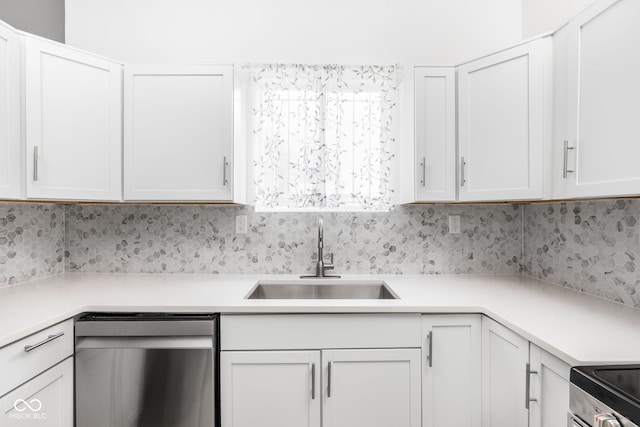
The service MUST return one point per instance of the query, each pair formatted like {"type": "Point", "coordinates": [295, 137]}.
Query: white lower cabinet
{"type": "Point", "coordinates": [270, 388]}
{"type": "Point", "coordinates": [451, 370]}
{"type": "Point", "coordinates": [458, 370]}
{"type": "Point", "coordinates": [36, 379]}
{"type": "Point", "coordinates": [374, 383]}
{"type": "Point", "coordinates": [522, 385]}
{"type": "Point", "coordinates": [368, 388]}
{"type": "Point", "coordinates": [505, 357]}
{"type": "Point", "coordinates": [44, 401]}
{"type": "Point", "coordinates": [550, 389]}
{"type": "Point", "coordinates": [371, 388]}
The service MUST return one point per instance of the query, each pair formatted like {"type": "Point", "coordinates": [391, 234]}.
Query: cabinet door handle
{"type": "Point", "coordinates": [527, 398]}
{"type": "Point", "coordinates": [430, 348]}
{"type": "Point", "coordinates": [50, 338]}
{"type": "Point", "coordinates": [225, 164]}
{"type": "Point", "coordinates": [329, 380]}
{"type": "Point", "coordinates": [35, 163]}
{"type": "Point", "coordinates": [423, 181]}
{"type": "Point", "coordinates": [313, 381]}
{"type": "Point", "coordinates": [462, 165]}
{"type": "Point", "coordinates": [565, 169]}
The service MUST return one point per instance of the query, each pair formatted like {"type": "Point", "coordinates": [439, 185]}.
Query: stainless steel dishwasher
{"type": "Point", "coordinates": [146, 370]}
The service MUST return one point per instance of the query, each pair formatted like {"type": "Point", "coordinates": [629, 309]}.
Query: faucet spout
{"type": "Point", "coordinates": [321, 266]}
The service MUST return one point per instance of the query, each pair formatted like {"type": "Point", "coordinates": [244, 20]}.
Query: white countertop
{"type": "Point", "coordinates": [577, 328]}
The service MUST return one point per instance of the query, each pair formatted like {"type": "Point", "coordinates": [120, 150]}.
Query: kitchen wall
{"type": "Point", "coordinates": [42, 17]}
{"type": "Point", "coordinates": [201, 239]}
{"type": "Point", "coordinates": [541, 16]}
{"type": "Point", "coordinates": [31, 241]}
{"type": "Point", "coordinates": [588, 246]}
{"type": "Point", "coordinates": [592, 247]}
{"type": "Point", "coordinates": [427, 32]}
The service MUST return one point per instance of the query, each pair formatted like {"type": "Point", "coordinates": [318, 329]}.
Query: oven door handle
{"type": "Point", "coordinates": [167, 342]}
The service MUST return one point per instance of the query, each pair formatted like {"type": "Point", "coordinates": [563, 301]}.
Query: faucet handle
{"type": "Point", "coordinates": [330, 265]}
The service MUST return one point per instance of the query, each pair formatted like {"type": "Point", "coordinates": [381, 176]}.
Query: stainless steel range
{"type": "Point", "coordinates": [605, 396]}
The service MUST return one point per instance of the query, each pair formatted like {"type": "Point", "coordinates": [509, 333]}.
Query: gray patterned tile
{"type": "Point", "coordinates": [201, 239]}
{"type": "Point", "coordinates": [592, 247]}
{"type": "Point", "coordinates": [31, 241]}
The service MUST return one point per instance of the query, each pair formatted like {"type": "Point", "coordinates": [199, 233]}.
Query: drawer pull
{"type": "Point", "coordinates": [28, 348]}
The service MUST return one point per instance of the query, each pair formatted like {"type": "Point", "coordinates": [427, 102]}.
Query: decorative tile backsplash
{"type": "Point", "coordinates": [591, 246]}
{"type": "Point", "coordinates": [202, 239]}
{"type": "Point", "coordinates": [31, 241]}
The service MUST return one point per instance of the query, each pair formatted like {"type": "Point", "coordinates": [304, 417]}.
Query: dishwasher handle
{"type": "Point", "coordinates": [153, 342]}
{"type": "Point", "coordinates": [123, 326]}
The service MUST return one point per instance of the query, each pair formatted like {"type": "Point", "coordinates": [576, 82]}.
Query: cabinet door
{"type": "Point", "coordinates": [451, 370]}
{"type": "Point", "coordinates": [560, 108]}
{"type": "Point", "coordinates": [73, 123]}
{"type": "Point", "coordinates": [178, 132]}
{"type": "Point", "coordinates": [46, 400]}
{"type": "Point", "coordinates": [603, 101]}
{"type": "Point", "coordinates": [371, 388]}
{"type": "Point", "coordinates": [10, 108]}
{"type": "Point", "coordinates": [549, 388]}
{"type": "Point", "coordinates": [270, 388]}
{"type": "Point", "coordinates": [435, 134]}
{"type": "Point", "coordinates": [502, 104]}
{"type": "Point", "coordinates": [505, 357]}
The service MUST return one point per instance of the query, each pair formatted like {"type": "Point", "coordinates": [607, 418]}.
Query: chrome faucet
{"type": "Point", "coordinates": [321, 266]}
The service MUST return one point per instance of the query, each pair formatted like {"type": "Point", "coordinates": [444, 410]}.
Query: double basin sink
{"type": "Point", "coordinates": [321, 289]}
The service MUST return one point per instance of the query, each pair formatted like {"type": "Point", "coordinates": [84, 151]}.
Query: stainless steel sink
{"type": "Point", "coordinates": [321, 289]}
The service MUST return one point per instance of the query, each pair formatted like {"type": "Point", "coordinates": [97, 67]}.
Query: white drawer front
{"type": "Point", "coordinates": [44, 401]}
{"type": "Point", "coordinates": [46, 348]}
{"type": "Point", "coordinates": [313, 331]}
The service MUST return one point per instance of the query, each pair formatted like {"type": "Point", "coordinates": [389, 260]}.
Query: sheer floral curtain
{"type": "Point", "coordinates": [322, 136]}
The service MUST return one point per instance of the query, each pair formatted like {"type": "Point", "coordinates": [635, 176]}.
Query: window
{"type": "Point", "coordinates": [322, 136]}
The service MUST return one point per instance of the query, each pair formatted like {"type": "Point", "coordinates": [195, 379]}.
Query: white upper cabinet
{"type": "Point", "coordinates": [560, 110]}
{"type": "Point", "coordinates": [504, 124]}
{"type": "Point", "coordinates": [428, 136]}
{"type": "Point", "coordinates": [178, 133]}
{"type": "Point", "coordinates": [73, 123]}
{"type": "Point", "coordinates": [10, 114]}
{"type": "Point", "coordinates": [597, 155]}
